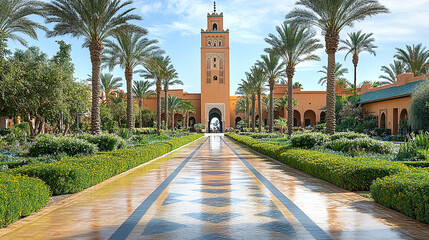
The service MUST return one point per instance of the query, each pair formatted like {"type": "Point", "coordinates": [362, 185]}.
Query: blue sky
{"type": "Point", "coordinates": [177, 24]}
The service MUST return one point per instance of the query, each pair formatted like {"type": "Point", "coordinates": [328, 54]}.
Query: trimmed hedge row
{"type": "Point", "coordinates": [364, 144]}
{"type": "Point", "coordinates": [407, 192]}
{"type": "Point", "coordinates": [20, 196]}
{"type": "Point", "coordinates": [421, 164]}
{"type": "Point", "coordinates": [51, 145]}
{"type": "Point", "coordinates": [354, 174]}
{"type": "Point", "coordinates": [75, 174]}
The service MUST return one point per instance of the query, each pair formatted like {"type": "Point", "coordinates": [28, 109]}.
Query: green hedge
{"type": "Point", "coordinates": [75, 174]}
{"type": "Point", "coordinates": [308, 140]}
{"type": "Point", "coordinates": [348, 135]}
{"type": "Point", "coordinates": [104, 142]}
{"type": "Point", "coordinates": [51, 145]}
{"type": "Point", "coordinates": [20, 196]}
{"type": "Point", "coordinates": [362, 144]}
{"type": "Point", "coordinates": [407, 192]}
{"type": "Point", "coordinates": [355, 174]}
{"type": "Point", "coordinates": [421, 164]}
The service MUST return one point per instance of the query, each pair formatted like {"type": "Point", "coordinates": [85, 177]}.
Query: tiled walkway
{"type": "Point", "coordinates": [216, 189]}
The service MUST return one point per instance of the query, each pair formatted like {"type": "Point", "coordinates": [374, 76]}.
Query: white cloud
{"type": "Point", "coordinates": [151, 7]}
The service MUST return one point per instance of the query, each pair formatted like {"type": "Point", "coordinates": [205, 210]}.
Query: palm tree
{"type": "Point", "coordinates": [284, 101]}
{"type": "Point", "coordinates": [258, 80]}
{"type": "Point", "coordinates": [156, 69]}
{"type": "Point", "coordinates": [110, 83]}
{"type": "Point", "coordinates": [331, 16]}
{"type": "Point", "coordinates": [141, 91]}
{"type": "Point", "coordinates": [373, 84]}
{"type": "Point", "coordinates": [273, 69]}
{"type": "Point", "coordinates": [95, 20]}
{"type": "Point", "coordinates": [415, 57]}
{"type": "Point", "coordinates": [245, 89]}
{"type": "Point", "coordinates": [297, 85]}
{"type": "Point", "coordinates": [185, 109]}
{"type": "Point", "coordinates": [266, 106]}
{"type": "Point", "coordinates": [294, 44]}
{"type": "Point", "coordinates": [392, 72]}
{"type": "Point", "coordinates": [170, 79]}
{"type": "Point", "coordinates": [14, 19]}
{"type": "Point", "coordinates": [241, 107]}
{"type": "Point", "coordinates": [339, 72]}
{"type": "Point", "coordinates": [356, 44]}
{"type": "Point", "coordinates": [174, 104]}
{"type": "Point", "coordinates": [129, 50]}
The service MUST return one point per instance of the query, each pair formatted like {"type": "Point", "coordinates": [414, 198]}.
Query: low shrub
{"type": "Point", "coordinates": [308, 140]}
{"type": "Point", "coordinates": [417, 147]}
{"type": "Point", "coordinates": [347, 135]}
{"type": "Point", "coordinates": [5, 131]}
{"type": "Point", "coordinates": [20, 196]}
{"type": "Point", "coordinates": [382, 131]}
{"type": "Point", "coordinates": [406, 192]}
{"type": "Point", "coordinates": [354, 174]}
{"type": "Point", "coordinates": [75, 174]}
{"type": "Point", "coordinates": [397, 138]}
{"type": "Point", "coordinates": [145, 131]}
{"type": "Point", "coordinates": [50, 145]}
{"type": "Point", "coordinates": [420, 164]}
{"type": "Point", "coordinates": [264, 135]}
{"type": "Point", "coordinates": [360, 144]}
{"type": "Point", "coordinates": [104, 142]}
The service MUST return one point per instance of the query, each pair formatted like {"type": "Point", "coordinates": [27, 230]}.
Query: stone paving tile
{"type": "Point", "coordinates": [216, 195]}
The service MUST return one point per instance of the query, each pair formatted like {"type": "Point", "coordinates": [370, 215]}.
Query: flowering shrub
{"type": "Point", "coordinates": [308, 140]}
{"type": "Point", "coordinates": [348, 135]}
{"type": "Point", "coordinates": [75, 174]}
{"type": "Point", "coordinates": [104, 142]}
{"type": "Point", "coordinates": [363, 144]}
{"type": "Point", "coordinates": [407, 192]}
{"type": "Point", "coordinates": [264, 135]}
{"type": "Point", "coordinates": [20, 196]}
{"type": "Point", "coordinates": [50, 145]}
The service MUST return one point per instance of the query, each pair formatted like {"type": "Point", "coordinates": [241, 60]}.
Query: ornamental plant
{"type": "Point", "coordinates": [308, 140]}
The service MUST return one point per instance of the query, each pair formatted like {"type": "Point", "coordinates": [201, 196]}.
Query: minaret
{"type": "Point", "coordinates": [215, 98]}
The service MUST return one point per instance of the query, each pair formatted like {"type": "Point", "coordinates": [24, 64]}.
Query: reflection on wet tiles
{"type": "Point", "coordinates": [218, 201]}
{"type": "Point", "coordinates": [276, 214]}
{"type": "Point", "coordinates": [215, 172]}
{"type": "Point", "coordinates": [280, 227]}
{"type": "Point", "coordinates": [158, 226]}
{"type": "Point", "coordinates": [213, 217]}
{"type": "Point", "coordinates": [260, 195]}
{"type": "Point", "coordinates": [266, 202]}
{"type": "Point", "coordinates": [215, 190]}
{"type": "Point", "coordinates": [214, 236]}
{"type": "Point", "coordinates": [216, 184]}
{"type": "Point", "coordinates": [172, 198]}
{"type": "Point", "coordinates": [185, 182]}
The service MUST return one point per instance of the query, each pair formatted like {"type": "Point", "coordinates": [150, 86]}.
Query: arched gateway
{"type": "Point", "coordinates": [213, 115]}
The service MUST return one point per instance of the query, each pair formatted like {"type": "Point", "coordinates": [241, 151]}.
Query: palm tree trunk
{"type": "Point", "coordinates": [253, 113]}
{"type": "Point", "coordinates": [187, 122]}
{"type": "Point", "coordinates": [158, 105]}
{"type": "Point", "coordinates": [271, 111]}
{"type": "Point", "coordinates": [96, 51]}
{"type": "Point", "coordinates": [260, 111]}
{"type": "Point", "coordinates": [247, 120]}
{"type": "Point", "coordinates": [172, 120]}
{"type": "Point", "coordinates": [331, 41]}
{"type": "Point", "coordinates": [290, 72]}
{"type": "Point", "coordinates": [184, 121]}
{"type": "Point", "coordinates": [166, 106]}
{"type": "Point", "coordinates": [140, 113]}
{"type": "Point", "coordinates": [129, 79]}
{"type": "Point", "coordinates": [355, 63]}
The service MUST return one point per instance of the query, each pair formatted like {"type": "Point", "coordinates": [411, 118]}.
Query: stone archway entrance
{"type": "Point", "coordinates": [215, 121]}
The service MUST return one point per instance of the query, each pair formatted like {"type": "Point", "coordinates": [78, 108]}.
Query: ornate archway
{"type": "Point", "coordinates": [237, 119]}
{"type": "Point", "coordinates": [214, 114]}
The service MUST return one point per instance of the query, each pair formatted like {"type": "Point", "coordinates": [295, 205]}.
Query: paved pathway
{"type": "Point", "coordinates": [215, 189]}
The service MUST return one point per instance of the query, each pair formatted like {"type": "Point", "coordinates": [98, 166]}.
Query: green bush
{"type": "Point", "coordinates": [5, 131]}
{"type": "Point", "coordinates": [420, 164]}
{"type": "Point", "coordinates": [355, 174]}
{"type": "Point", "coordinates": [419, 110]}
{"type": "Point", "coordinates": [50, 145]}
{"type": "Point", "coordinates": [75, 174]}
{"type": "Point", "coordinates": [308, 140]}
{"type": "Point", "coordinates": [348, 135]}
{"type": "Point", "coordinates": [360, 144]}
{"type": "Point", "coordinates": [104, 142]}
{"type": "Point", "coordinates": [406, 192]}
{"type": "Point", "coordinates": [416, 148]}
{"type": "Point", "coordinates": [145, 131]}
{"type": "Point", "coordinates": [382, 131]}
{"type": "Point", "coordinates": [264, 135]}
{"type": "Point", "coordinates": [20, 196]}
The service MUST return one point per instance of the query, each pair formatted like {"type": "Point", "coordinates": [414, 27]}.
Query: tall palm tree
{"type": "Point", "coordinates": [266, 106]}
{"type": "Point", "coordinates": [170, 79]}
{"type": "Point", "coordinates": [339, 72]}
{"type": "Point", "coordinates": [294, 44]}
{"type": "Point", "coordinates": [356, 44]}
{"type": "Point", "coordinates": [156, 69]}
{"type": "Point", "coordinates": [141, 91]}
{"type": "Point", "coordinates": [174, 105]}
{"type": "Point", "coordinates": [95, 20]}
{"type": "Point", "coordinates": [331, 16]}
{"type": "Point", "coordinates": [284, 101]}
{"type": "Point", "coordinates": [415, 57]}
{"type": "Point", "coordinates": [246, 90]}
{"type": "Point", "coordinates": [258, 80]}
{"type": "Point", "coordinates": [273, 68]}
{"type": "Point", "coordinates": [392, 71]}
{"type": "Point", "coordinates": [185, 109]}
{"type": "Point", "coordinates": [109, 84]}
{"type": "Point", "coordinates": [129, 50]}
{"type": "Point", "coordinates": [241, 107]}
{"type": "Point", "coordinates": [14, 19]}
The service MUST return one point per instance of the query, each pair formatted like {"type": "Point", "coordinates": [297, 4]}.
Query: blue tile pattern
{"type": "Point", "coordinates": [158, 226]}
{"type": "Point", "coordinates": [213, 217]}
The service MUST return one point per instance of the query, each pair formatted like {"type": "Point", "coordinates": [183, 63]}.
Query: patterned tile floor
{"type": "Point", "coordinates": [215, 189]}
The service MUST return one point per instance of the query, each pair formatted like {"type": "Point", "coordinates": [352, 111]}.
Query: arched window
{"type": "Point", "coordinates": [215, 26]}
{"type": "Point", "coordinates": [209, 43]}
{"type": "Point", "coordinates": [214, 44]}
{"type": "Point", "coordinates": [215, 78]}
{"type": "Point", "coordinates": [220, 43]}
